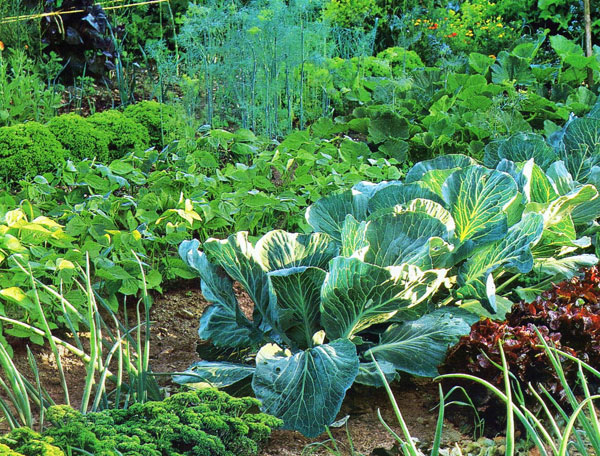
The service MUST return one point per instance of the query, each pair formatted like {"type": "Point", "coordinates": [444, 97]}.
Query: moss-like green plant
{"type": "Point", "coordinates": [25, 442]}
{"type": "Point", "coordinates": [27, 150]}
{"type": "Point", "coordinates": [160, 120]}
{"type": "Point", "coordinates": [124, 134]}
{"type": "Point", "coordinates": [194, 423]}
{"type": "Point", "coordinates": [81, 138]}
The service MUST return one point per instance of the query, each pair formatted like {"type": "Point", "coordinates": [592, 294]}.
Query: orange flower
{"type": "Point", "coordinates": [1, 46]}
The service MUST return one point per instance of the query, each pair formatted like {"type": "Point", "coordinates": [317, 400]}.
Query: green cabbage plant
{"type": "Point", "coordinates": [374, 280]}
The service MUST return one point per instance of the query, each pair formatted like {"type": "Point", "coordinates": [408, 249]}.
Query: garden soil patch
{"type": "Point", "coordinates": [175, 317]}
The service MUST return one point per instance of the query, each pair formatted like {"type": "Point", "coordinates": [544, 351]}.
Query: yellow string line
{"type": "Point", "coordinates": [26, 16]}
{"type": "Point", "coordinates": [10, 20]}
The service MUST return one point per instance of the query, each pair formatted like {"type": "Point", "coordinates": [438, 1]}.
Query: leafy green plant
{"type": "Point", "coordinates": [124, 134]}
{"type": "Point", "coordinates": [133, 381]}
{"type": "Point", "coordinates": [81, 138]}
{"type": "Point", "coordinates": [25, 442]}
{"type": "Point", "coordinates": [207, 422]}
{"type": "Point", "coordinates": [363, 283]}
{"type": "Point", "coordinates": [160, 120]}
{"type": "Point", "coordinates": [26, 91]}
{"type": "Point", "coordinates": [27, 150]}
{"type": "Point", "coordinates": [559, 428]}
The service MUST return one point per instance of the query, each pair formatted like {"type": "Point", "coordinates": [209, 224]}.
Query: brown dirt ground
{"type": "Point", "coordinates": [175, 317]}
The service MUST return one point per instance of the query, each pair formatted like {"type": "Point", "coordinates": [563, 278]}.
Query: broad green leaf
{"type": "Point", "coordinates": [477, 199]}
{"type": "Point", "coordinates": [305, 389]}
{"type": "Point", "coordinates": [402, 238]}
{"type": "Point", "coordinates": [298, 292]}
{"type": "Point", "coordinates": [564, 268]}
{"type": "Point", "coordinates": [581, 149]}
{"type": "Point", "coordinates": [281, 250]}
{"type": "Point", "coordinates": [399, 193]}
{"type": "Point", "coordinates": [523, 146]}
{"type": "Point", "coordinates": [327, 215]}
{"type": "Point", "coordinates": [210, 374]}
{"type": "Point", "coordinates": [354, 240]}
{"type": "Point", "coordinates": [511, 69]}
{"type": "Point", "coordinates": [431, 208]}
{"type": "Point", "coordinates": [17, 295]}
{"type": "Point", "coordinates": [513, 251]}
{"type": "Point", "coordinates": [561, 178]}
{"type": "Point", "coordinates": [443, 162]}
{"type": "Point", "coordinates": [503, 306]}
{"type": "Point", "coordinates": [559, 229]}
{"type": "Point", "coordinates": [357, 295]}
{"type": "Point", "coordinates": [369, 375]}
{"type": "Point", "coordinates": [419, 347]}
{"type": "Point", "coordinates": [223, 323]}
{"type": "Point", "coordinates": [537, 186]}
{"type": "Point", "coordinates": [236, 256]}
{"type": "Point", "coordinates": [387, 125]}
{"type": "Point", "coordinates": [589, 211]}
{"type": "Point", "coordinates": [435, 179]}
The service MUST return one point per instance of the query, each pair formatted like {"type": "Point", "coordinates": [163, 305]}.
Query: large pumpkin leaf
{"type": "Point", "coordinates": [477, 199]}
{"type": "Point", "coordinates": [357, 295]}
{"type": "Point", "coordinates": [513, 251]}
{"type": "Point", "coordinates": [327, 215]}
{"type": "Point", "coordinates": [281, 250]}
{"type": "Point", "coordinates": [298, 292]}
{"type": "Point", "coordinates": [305, 389]}
{"type": "Point", "coordinates": [418, 347]}
{"type": "Point", "coordinates": [405, 237]}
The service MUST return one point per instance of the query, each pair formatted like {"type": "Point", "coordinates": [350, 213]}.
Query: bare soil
{"type": "Point", "coordinates": [175, 317]}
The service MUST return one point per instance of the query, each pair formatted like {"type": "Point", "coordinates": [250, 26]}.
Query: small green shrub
{"type": "Point", "coordinates": [124, 134]}
{"type": "Point", "coordinates": [399, 59]}
{"type": "Point", "coordinates": [25, 442]}
{"type": "Point", "coordinates": [198, 423]}
{"type": "Point", "coordinates": [160, 120]}
{"type": "Point", "coordinates": [27, 150]}
{"type": "Point", "coordinates": [80, 137]}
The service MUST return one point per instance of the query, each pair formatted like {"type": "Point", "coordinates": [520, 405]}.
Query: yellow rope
{"type": "Point", "coordinates": [9, 20]}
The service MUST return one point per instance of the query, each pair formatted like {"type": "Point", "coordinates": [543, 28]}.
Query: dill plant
{"type": "Point", "coordinates": [247, 64]}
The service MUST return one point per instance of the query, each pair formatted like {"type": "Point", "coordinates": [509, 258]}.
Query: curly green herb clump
{"type": "Point", "coordinates": [195, 423]}
{"type": "Point", "coordinates": [124, 134]}
{"type": "Point", "coordinates": [160, 120]}
{"type": "Point", "coordinates": [25, 442]}
{"type": "Point", "coordinates": [80, 137]}
{"type": "Point", "coordinates": [28, 149]}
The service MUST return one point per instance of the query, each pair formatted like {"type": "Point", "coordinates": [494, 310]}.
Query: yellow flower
{"type": "Point", "coordinates": [499, 25]}
{"type": "Point", "coordinates": [1, 46]}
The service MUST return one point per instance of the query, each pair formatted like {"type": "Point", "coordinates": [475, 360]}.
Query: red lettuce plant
{"type": "Point", "coordinates": [567, 316]}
